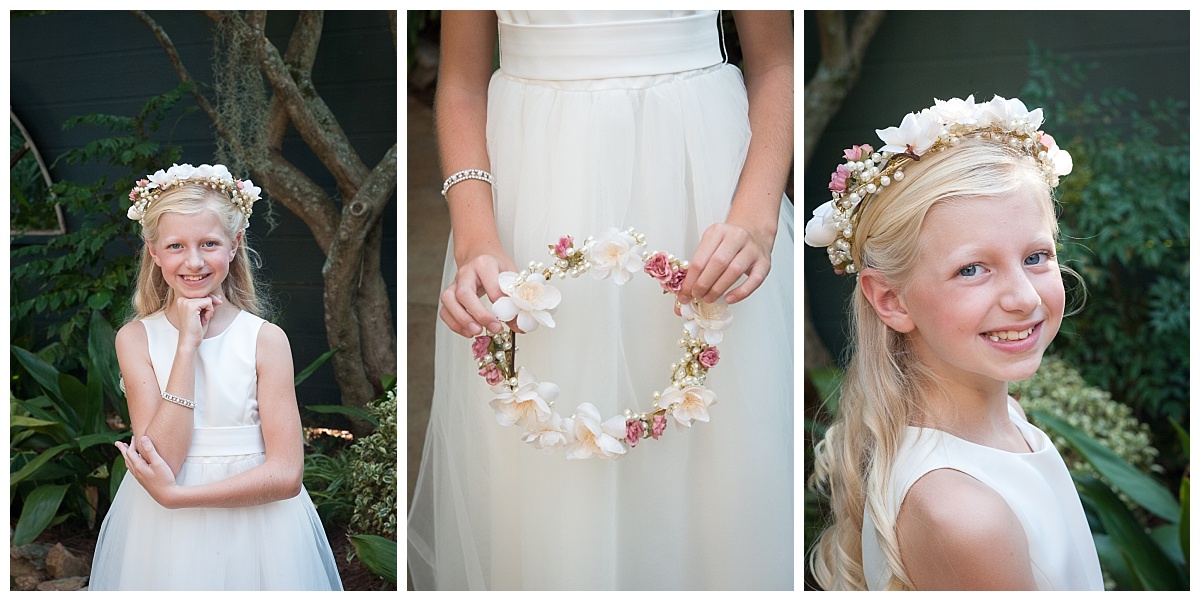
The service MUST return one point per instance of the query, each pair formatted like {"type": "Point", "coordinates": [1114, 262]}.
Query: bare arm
{"type": "Point", "coordinates": [743, 243]}
{"type": "Point", "coordinates": [956, 533]}
{"type": "Point", "coordinates": [279, 477]}
{"type": "Point", "coordinates": [468, 39]}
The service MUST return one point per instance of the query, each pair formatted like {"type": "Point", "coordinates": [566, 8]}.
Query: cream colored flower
{"type": "Point", "coordinates": [528, 404]}
{"type": "Point", "coordinates": [820, 230]}
{"type": "Point", "coordinates": [593, 437]}
{"type": "Point", "coordinates": [688, 405]}
{"type": "Point", "coordinates": [530, 300]}
{"type": "Point", "coordinates": [705, 321]}
{"type": "Point", "coordinates": [550, 433]}
{"type": "Point", "coordinates": [615, 254]}
{"type": "Point", "coordinates": [917, 130]}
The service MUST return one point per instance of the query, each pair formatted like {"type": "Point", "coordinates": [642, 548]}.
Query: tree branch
{"type": "Point", "coordinates": [837, 72]}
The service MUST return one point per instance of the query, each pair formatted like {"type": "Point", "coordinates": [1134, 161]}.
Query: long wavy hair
{"type": "Point", "coordinates": [240, 288]}
{"type": "Point", "coordinates": [885, 380]}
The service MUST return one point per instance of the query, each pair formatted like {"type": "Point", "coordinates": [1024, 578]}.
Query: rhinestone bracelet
{"type": "Point", "coordinates": [466, 174]}
{"type": "Point", "coordinates": [178, 400]}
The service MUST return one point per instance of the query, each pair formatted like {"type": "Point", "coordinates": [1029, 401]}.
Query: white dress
{"type": "Point", "coordinates": [275, 546]}
{"type": "Point", "coordinates": [598, 120]}
{"type": "Point", "coordinates": [1036, 486]}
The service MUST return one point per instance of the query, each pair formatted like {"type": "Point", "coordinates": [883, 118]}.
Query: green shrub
{"type": "Point", "coordinates": [373, 471]}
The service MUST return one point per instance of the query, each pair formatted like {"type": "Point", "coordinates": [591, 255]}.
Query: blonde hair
{"type": "Point", "coordinates": [885, 379]}
{"type": "Point", "coordinates": [188, 198]}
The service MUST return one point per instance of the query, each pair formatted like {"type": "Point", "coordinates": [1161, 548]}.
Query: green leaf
{"type": "Point", "coordinates": [347, 411]}
{"type": "Point", "coordinates": [118, 473]}
{"type": "Point", "coordinates": [1146, 561]}
{"type": "Point", "coordinates": [377, 553]}
{"type": "Point", "coordinates": [43, 373]}
{"type": "Point", "coordinates": [318, 362]}
{"type": "Point", "coordinates": [41, 506]}
{"type": "Point", "coordinates": [1185, 520]}
{"type": "Point", "coordinates": [33, 466]}
{"type": "Point", "coordinates": [91, 440]}
{"type": "Point", "coordinates": [1143, 489]}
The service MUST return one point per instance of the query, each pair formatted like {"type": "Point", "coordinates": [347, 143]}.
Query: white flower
{"type": "Point", "coordinates": [159, 179]}
{"type": "Point", "coordinates": [133, 213]}
{"type": "Point", "coordinates": [595, 438]}
{"type": "Point", "coordinates": [956, 110]}
{"type": "Point", "coordinates": [549, 434]}
{"type": "Point", "coordinates": [530, 299]}
{"type": "Point", "coordinates": [249, 189]}
{"type": "Point", "coordinates": [528, 404]}
{"type": "Point", "coordinates": [706, 320]}
{"type": "Point", "coordinates": [688, 405]}
{"type": "Point", "coordinates": [1011, 114]}
{"type": "Point", "coordinates": [1061, 159]}
{"type": "Point", "coordinates": [820, 230]}
{"type": "Point", "coordinates": [615, 254]}
{"type": "Point", "coordinates": [180, 172]}
{"type": "Point", "coordinates": [918, 131]}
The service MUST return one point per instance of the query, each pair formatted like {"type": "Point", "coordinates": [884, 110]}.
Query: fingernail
{"type": "Point", "coordinates": [494, 326]}
{"type": "Point", "coordinates": [474, 326]}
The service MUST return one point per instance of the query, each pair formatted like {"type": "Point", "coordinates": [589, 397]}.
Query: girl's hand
{"type": "Point", "coordinates": [726, 252]}
{"type": "Point", "coordinates": [194, 316]}
{"type": "Point", "coordinates": [461, 308]}
{"type": "Point", "coordinates": [149, 468]}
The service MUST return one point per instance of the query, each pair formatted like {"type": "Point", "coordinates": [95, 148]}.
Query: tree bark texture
{"type": "Point", "coordinates": [358, 316]}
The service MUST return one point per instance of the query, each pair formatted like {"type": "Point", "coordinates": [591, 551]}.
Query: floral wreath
{"type": "Point", "coordinates": [522, 400]}
{"type": "Point", "coordinates": [242, 193]}
{"type": "Point", "coordinates": [940, 126]}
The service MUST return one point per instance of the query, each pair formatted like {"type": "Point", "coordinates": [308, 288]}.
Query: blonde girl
{"type": "Point", "coordinates": [936, 479]}
{"type": "Point", "coordinates": [213, 498]}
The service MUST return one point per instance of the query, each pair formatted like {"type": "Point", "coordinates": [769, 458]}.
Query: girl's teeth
{"type": "Point", "coordinates": [1009, 335]}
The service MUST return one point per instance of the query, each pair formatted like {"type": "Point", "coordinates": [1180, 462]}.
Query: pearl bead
{"type": "Point", "coordinates": [899, 175]}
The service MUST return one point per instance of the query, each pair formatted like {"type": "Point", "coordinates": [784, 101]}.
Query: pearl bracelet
{"type": "Point", "coordinates": [178, 400]}
{"type": "Point", "coordinates": [466, 174]}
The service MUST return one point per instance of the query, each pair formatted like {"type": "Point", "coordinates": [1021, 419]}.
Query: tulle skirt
{"type": "Point", "coordinates": [705, 508]}
{"type": "Point", "coordinates": [276, 546]}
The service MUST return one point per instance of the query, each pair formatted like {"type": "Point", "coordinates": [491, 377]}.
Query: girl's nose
{"type": "Point", "coordinates": [193, 260]}
{"type": "Point", "coordinates": [1020, 295]}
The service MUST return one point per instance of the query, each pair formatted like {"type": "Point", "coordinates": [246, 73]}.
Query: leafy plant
{"type": "Point", "coordinates": [377, 553]}
{"type": "Point", "coordinates": [61, 458]}
{"type": "Point", "coordinates": [373, 472]}
{"type": "Point", "coordinates": [1125, 216]}
{"type": "Point", "coordinates": [91, 267]}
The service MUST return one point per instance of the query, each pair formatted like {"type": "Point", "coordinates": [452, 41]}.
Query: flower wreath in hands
{"type": "Point", "coordinates": [522, 400]}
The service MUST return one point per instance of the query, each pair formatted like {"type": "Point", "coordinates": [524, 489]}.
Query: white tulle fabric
{"type": "Point", "coordinates": [1036, 485]}
{"type": "Point", "coordinates": [706, 508]}
{"type": "Point", "coordinates": [276, 546]}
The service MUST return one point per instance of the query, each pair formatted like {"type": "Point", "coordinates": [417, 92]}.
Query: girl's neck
{"type": "Point", "coordinates": [976, 413]}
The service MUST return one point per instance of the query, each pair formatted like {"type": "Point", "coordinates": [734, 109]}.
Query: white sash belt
{"type": "Point", "coordinates": [239, 440]}
{"type": "Point", "coordinates": [599, 51]}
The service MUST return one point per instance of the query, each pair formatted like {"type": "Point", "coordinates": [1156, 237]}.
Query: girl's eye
{"type": "Point", "coordinates": [968, 271]}
{"type": "Point", "coordinates": [1037, 258]}
{"type": "Point", "coordinates": [210, 244]}
{"type": "Point", "coordinates": [175, 246]}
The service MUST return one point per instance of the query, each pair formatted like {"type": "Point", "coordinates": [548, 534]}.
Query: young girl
{"type": "Point", "coordinates": [597, 122]}
{"type": "Point", "coordinates": [936, 479]}
{"type": "Point", "coordinates": [214, 496]}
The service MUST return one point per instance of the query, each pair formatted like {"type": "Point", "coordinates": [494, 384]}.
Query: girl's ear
{"type": "Point", "coordinates": [886, 300]}
{"type": "Point", "coordinates": [237, 243]}
{"type": "Point", "coordinates": [152, 250]}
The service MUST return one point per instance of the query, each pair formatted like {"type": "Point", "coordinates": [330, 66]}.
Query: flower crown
{"type": "Point", "coordinates": [242, 193]}
{"type": "Point", "coordinates": [522, 400]}
{"type": "Point", "coordinates": [938, 127]}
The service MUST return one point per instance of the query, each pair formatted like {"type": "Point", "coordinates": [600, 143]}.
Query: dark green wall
{"type": "Point", "coordinates": [919, 55]}
{"type": "Point", "coordinates": [74, 63]}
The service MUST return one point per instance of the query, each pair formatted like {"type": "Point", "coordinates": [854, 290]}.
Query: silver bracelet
{"type": "Point", "coordinates": [466, 174]}
{"type": "Point", "coordinates": [178, 400]}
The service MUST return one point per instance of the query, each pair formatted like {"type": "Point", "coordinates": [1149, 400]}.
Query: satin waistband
{"type": "Point", "coordinates": [238, 440]}
{"type": "Point", "coordinates": [619, 49]}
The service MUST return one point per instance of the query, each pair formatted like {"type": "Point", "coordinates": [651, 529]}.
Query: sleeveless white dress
{"type": "Point", "coordinates": [275, 546]}
{"type": "Point", "coordinates": [598, 120]}
{"type": "Point", "coordinates": [1036, 485]}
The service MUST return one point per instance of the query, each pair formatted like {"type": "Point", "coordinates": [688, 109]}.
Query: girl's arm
{"type": "Point", "coordinates": [279, 477]}
{"type": "Point", "coordinates": [956, 533]}
{"type": "Point", "coordinates": [167, 424]}
{"type": "Point", "coordinates": [460, 109]}
{"type": "Point", "coordinates": [742, 244]}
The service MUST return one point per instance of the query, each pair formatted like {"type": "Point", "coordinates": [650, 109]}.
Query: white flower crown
{"type": "Point", "coordinates": [940, 126]}
{"type": "Point", "coordinates": [522, 400]}
{"type": "Point", "coordinates": [242, 193]}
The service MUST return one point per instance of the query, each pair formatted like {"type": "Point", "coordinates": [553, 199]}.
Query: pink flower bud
{"type": "Point", "coordinates": [659, 267]}
{"type": "Point", "coordinates": [633, 431]}
{"type": "Point", "coordinates": [660, 424]}
{"type": "Point", "coordinates": [492, 374]}
{"type": "Point", "coordinates": [709, 356]}
{"type": "Point", "coordinates": [480, 346]}
{"type": "Point", "coordinates": [560, 249]}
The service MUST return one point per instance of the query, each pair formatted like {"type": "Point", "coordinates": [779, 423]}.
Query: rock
{"type": "Point", "coordinates": [35, 553]}
{"type": "Point", "coordinates": [61, 563]}
{"type": "Point", "coordinates": [22, 574]}
{"type": "Point", "coordinates": [76, 583]}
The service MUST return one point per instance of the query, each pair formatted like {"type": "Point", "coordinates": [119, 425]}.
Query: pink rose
{"type": "Point", "coordinates": [659, 267]}
{"type": "Point", "coordinates": [492, 374]}
{"type": "Point", "coordinates": [133, 195]}
{"type": "Point", "coordinates": [239, 185]}
{"type": "Point", "coordinates": [141, 183]}
{"type": "Point", "coordinates": [633, 431]}
{"type": "Point", "coordinates": [660, 424]}
{"type": "Point", "coordinates": [837, 182]}
{"type": "Point", "coordinates": [858, 153]}
{"type": "Point", "coordinates": [480, 346]}
{"type": "Point", "coordinates": [560, 249]}
{"type": "Point", "coordinates": [709, 356]}
{"type": "Point", "coordinates": [1047, 140]}
{"type": "Point", "coordinates": [675, 282]}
